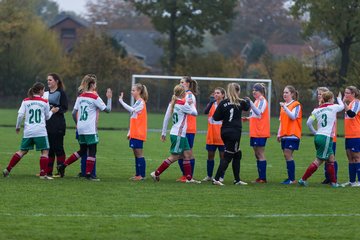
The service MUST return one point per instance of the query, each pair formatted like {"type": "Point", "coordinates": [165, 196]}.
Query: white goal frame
{"type": "Point", "coordinates": [138, 76]}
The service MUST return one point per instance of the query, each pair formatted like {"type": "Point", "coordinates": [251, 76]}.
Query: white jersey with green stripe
{"type": "Point", "coordinates": [36, 111]}
{"type": "Point", "coordinates": [325, 115]}
{"type": "Point", "coordinates": [87, 105]}
{"type": "Point", "coordinates": [181, 110]}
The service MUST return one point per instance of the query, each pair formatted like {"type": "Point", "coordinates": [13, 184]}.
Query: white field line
{"type": "Point", "coordinates": [170, 216]}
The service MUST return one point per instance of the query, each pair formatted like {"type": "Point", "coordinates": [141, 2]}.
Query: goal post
{"type": "Point", "coordinates": [137, 77]}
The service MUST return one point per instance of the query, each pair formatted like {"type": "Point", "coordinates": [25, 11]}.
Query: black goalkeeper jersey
{"type": "Point", "coordinates": [230, 114]}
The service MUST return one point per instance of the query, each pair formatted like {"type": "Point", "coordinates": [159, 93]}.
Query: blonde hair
{"type": "Point", "coordinates": [193, 85]}
{"type": "Point", "coordinates": [233, 93]}
{"type": "Point", "coordinates": [143, 91]}
{"type": "Point", "coordinates": [179, 91]}
{"type": "Point", "coordinates": [86, 82]}
{"type": "Point", "coordinates": [326, 96]}
{"type": "Point", "coordinates": [354, 90]}
{"type": "Point", "coordinates": [322, 89]}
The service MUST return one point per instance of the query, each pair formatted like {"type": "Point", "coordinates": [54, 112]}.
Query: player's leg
{"type": "Point", "coordinates": [51, 156]}
{"type": "Point", "coordinates": [210, 163]}
{"type": "Point", "coordinates": [90, 161]}
{"type": "Point", "coordinates": [258, 145]}
{"type": "Point", "coordinates": [140, 163]}
{"type": "Point", "coordinates": [288, 146]}
{"type": "Point", "coordinates": [13, 161]}
{"type": "Point", "coordinates": [59, 149]}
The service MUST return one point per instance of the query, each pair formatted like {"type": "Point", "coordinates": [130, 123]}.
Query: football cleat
{"type": "Point", "coordinates": [207, 179]}
{"type": "Point", "coordinates": [154, 177]}
{"type": "Point", "coordinates": [181, 179]}
{"type": "Point", "coordinates": [192, 181]}
{"type": "Point", "coordinates": [258, 180]}
{"type": "Point", "coordinates": [326, 181]}
{"type": "Point", "coordinates": [92, 178]}
{"type": "Point", "coordinates": [351, 184]}
{"type": "Point", "coordinates": [138, 178]}
{"type": "Point", "coordinates": [336, 185]}
{"type": "Point", "coordinates": [288, 182]}
{"type": "Point", "coordinates": [61, 170]}
{"type": "Point", "coordinates": [240, 183]}
{"type": "Point", "coordinates": [302, 183]}
{"type": "Point", "coordinates": [6, 172]}
{"type": "Point", "coordinates": [221, 179]}
{"type": "Point", "coordinates": [214, 182]}
{"type": "Point", "coordinates": [46, 177]}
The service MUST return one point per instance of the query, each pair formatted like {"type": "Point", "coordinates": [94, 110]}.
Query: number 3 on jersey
{"type": "Point", "coordinates": [324, 118]}
{"type": "Point", "coordinates": [83, 113]}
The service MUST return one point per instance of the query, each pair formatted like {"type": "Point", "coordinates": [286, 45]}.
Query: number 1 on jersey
{"type": "Point", "coordinates": [231, 114]}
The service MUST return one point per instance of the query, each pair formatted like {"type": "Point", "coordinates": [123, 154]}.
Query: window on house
{"type": "Point", "coordinates": [68, 33]}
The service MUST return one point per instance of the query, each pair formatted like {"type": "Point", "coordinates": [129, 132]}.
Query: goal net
{"type": "Point", "coordinates": [160, 88]}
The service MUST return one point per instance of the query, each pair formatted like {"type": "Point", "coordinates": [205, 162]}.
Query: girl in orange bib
{"type": "Point", "coordinates": [289, 133]}
{"type": "Point", "coordinates": [213, 137]}
{"type": "Point", "coordinates": [138, 127]}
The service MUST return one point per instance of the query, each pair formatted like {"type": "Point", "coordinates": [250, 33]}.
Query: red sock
{"type": "Point", "coordinates": [163, 167]}
{"type": "Point", "coordinates": [14, 160]}
{"type": "Point", "coordinates": [43, 165]}
{"type": "Point", "coordinates": [90, 163]}
{"type": "Point", "coordinates": [187, 169]}
{"type": "Point", "coordinates": [50, 165]}
{"type": "Point", "coordinates": [309, 171]}
{"type": "Point", "coordinates": [75, 156]}
{"type": "Point", "coordinates": [60, 159]}
{"type": "Point", "coordinates": [331, 171]}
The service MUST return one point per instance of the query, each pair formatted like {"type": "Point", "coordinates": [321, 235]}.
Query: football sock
{"type": "Point", "coordinates": [290, 165]}
{"type": "Point", "coordinates": [210, 167]}
{"type": "Point", "coordinates": [192, 163]}
{"type": "Point", "coordinates": [224, 163]}
{"type": "Point", "coordinates": [262, 169]}
{"type": "Point", "coordinates": [258, 167]}
{"type": "Point", "coordinates": [142, 166]}
{"type": "Point", "coordinates": [50, 165]}
{"type": "Point", "coordinates": [137, 167]}
{"type": "Point", "coordinates": [236, 167]}
{"type": "Point", "coordinates": [336, 168]}
{"type": "Point", "coordinates": [181, 165]}
{"type": "Point", "coordinates": [75, 156]}
{"type": "Point", "coordinates": [187, 169]}
{"type": "Point", "coordinates": [326, 174]}
{"type": "Point", "coordinates": [330, 168]}
{"type": "Point", "coordinates": [163, 167]}
{"type": "Point", "coordinates": [60, 159]}
{"type": "Point", "coordinates": [357, 166]}
{"type": "Point", "coordinates": [14, 160]}
{"type": "Point", "coordinates": [309, 171]}
{"type": "Point", "coordinates": [43, 165]}
{"type": "Point", "coordinates": [352, 172]}
{"type": "Point", "coordinates": [90, 162]}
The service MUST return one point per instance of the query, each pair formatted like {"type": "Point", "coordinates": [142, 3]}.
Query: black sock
{"type": "Point", "coordinates": [224, 163]}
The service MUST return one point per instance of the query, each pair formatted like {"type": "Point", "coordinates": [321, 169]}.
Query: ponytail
{"type": "Point", "coordinates": [193, 85]}
{"type": "Point", "coordinates": [179, 91]}
{"type": "Point", "coordinates": [293, 91]}
{"type": "Point", "coordinates": [86, 82]}
{"type": "Point", "coordinates": [35, 89]}
{"type": "Point", "coordinates": [143, 91]}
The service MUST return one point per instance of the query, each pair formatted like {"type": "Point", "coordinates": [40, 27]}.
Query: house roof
{"type": "Point", "coordinates": [63, 16]}
{"type": "Point", "coordinates": [140, 43]}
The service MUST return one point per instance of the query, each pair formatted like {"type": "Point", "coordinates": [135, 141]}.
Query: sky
{"type": "Point", "coordinates": [77, 6]}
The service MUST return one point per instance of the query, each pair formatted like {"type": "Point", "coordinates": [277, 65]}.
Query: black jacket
{"type": "Point", "coordinates": [57, 124]}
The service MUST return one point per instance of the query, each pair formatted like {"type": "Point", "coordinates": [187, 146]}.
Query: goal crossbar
{"type": "Point", "coordinates": [139, 76]}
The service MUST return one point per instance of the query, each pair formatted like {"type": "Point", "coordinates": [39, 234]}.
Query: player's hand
{"type": "Point", "coordinates": [17, 130]}
{"type": "Point", "coordinates": [278, 139]}
{"type": "Point", "coordinates": [55, 109]}
{"type": "Point", "coordinates": [282, 104]}
{"type": "Point", "coordinates": [339, 95]}
{"type": "Point", "coordinates": [190, 101]}
{"type": "Point", "coordinates": [109, 93]}
{"type": "Point", "coordinates": [121, 96]}
{"type": "Point", "coordinates": [163, 138]}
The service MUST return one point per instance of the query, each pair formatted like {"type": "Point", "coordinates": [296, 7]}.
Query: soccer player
{"type": "Point", "coordinates": [178, 110]}
{"type": "Point", "coordinates": [325, 115]}
{"type": "Point", "coordinates": [192, 89]}
{"type": "Point", "coordinates": [352, 134]}
{"type": "Point", "coordinates": [289, 133]}
{"type": "Point", "coordinates": [87, 104]}
{"type": "Point", "coordinates": [259, 128]}
{"type": "Point", "coordinates": [56, 125]}
{"type": "Point", "coordinates": [213, 137]}
{"type": "Point", "coordinates": [138, 127]}
{"type": "Point", "coordinates": [36, 111]}
{"type": "Point", "coordinates": [320, 91]}
{"type": "Point", "coordinates": [229, 111]}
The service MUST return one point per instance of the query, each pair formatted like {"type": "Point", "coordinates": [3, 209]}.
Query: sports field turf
{"type": "Point", "coordinates": [116, 208]}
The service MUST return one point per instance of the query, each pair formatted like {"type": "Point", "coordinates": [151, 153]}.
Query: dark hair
{"type": "Point", "coordinates": [293, 91]}
{"type": "Point", "coordinates": [193, 85]}
{"type": "Point", "coordinates": [57, 78]}
{"type": "Point", "coordinates": [35, 89]}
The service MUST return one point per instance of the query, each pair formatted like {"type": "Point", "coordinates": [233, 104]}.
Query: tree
{"type": "Point", "coordinates": [338, 20]}
{"type": "Point", "coordinates": [267, 20]}
{"type": "Point", "coordinates": [186, 22]}
{"type": "Point", "coordinates": [118, 14]}
{"type": "Point", "coordinates": [46, 9]}
{"type": "Point", "coordinates": [28, 50]}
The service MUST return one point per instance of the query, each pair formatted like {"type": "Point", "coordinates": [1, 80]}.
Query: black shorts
{"type": "Point", "coordinates": [231, 139]}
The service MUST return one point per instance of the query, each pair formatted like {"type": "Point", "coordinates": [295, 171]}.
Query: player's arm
{"type": "Point", "coordinates": [341, 105]}
{"type": "Point", "coordinates": [63, 102]}
{"type": "Point", "coordinates": [166, 122]}
{"type": "Point", "coordinates": [20, 117]}
{"type": "Point", "coordinates": [294, 114]}
{"type": "Point", "coordinates": [309, 123]}
{"type": "Point", "coordinates": [245, 104]}
{"type": "Point", "coordinates": [190, 109]}
{"type": "Point", "coordinates": [209, 105]}
{"type": "Point", "coordinates": [75, 111]}
{"type": "Point", "coordinates": [107, 109]}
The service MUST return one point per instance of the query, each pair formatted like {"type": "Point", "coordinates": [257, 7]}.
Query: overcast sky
{"type": "Point", "coordinates": [77, 6]}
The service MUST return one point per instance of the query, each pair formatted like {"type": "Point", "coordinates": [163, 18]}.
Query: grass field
{"type": "Point", "coordinates": [116, 208]}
